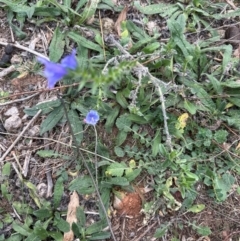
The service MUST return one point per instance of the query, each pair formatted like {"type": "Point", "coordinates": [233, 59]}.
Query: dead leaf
{"type": "Point", "coordinates": [122, 17]}
{"type": "Point", "coordinates": [71, 215]}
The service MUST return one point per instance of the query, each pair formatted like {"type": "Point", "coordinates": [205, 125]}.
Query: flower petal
{"type": "Point", "coordinates": [92, 117]}
{"type": "Point", "coordinates": [53, 72]}
{"type": "Point", "coordinates": [70, 61]}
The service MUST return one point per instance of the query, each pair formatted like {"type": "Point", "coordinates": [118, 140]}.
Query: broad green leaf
{"type": "Point", "coordinates": [84, 42]}
{"type": "Point", "coordinates": [123, 123]}
{"type": "Point", "coordinates": [116, 169]}
{"type": "Point", "coordinates": [48, 153]}
{"type": "Point", "coordinates": [52, 119]}
{"type": "Point", "coordinates": [76, 125]}
{"type": "Point", "coordinates": [58, 192]}
{"type": "Point", "coordinates": [222, 185]}
{"type": "Point", "coordinates": [120, 138]}
{"type": "Point", "coordinates": [56, 47]}
{"type": "Point", "coordinates": [131, 174]}
{"type": "Point", "coordinates": [119, 151]}
{"type": "Point", "coordinates": [161, 231]}
{"type": "Point", "coordinates": [196, 208]}
{"type": "Point", "coordinates": [203, 230]}
{"type": "Point", "coordinates": [39, 231]}
{"type": "Point", "coordinates": [150, 48]}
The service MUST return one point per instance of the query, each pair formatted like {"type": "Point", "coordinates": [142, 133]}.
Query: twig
{"type": "Point", "coordinates": [19, 100]}
{"type": "Point", "coordinates": [19, 46]}
{"type": "Point", "coordinates": [80, 155]}
{"type": "Point", "coordinates": [26, 163]}
{"type": "Point", "coordinates": [7, 71]}
{"type": "Point", "coordinates": [20, 135]}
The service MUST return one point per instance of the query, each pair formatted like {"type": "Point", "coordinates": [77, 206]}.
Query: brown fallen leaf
{"type": "Point", "coordinates": [71, 215]}
{"type": "Point", "coordinates": [122, 17]}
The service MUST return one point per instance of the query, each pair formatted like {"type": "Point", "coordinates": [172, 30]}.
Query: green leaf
{"type": "Point", "coordinates": [131, 174]}
{"type": "Point", "coordinates": [43, 213]}
{"type": "Point", "coordinates": [119, 151]}
{"type": "Point", "coordinates": [83, 185]}
{"type": "Point", "coordinates": [111, 117]}
{"type": "Point", "coordinates": [161, 231]}
{"type": "Point", "coordinates": [39, 231]}
{"type": "Point", "coordinates": [154, 8]}
{"type": "Point", "coordinates": [21, 229]}
{"type": "Point", "coordinates": [190, 107]}
{"type": "Point", "coordinates": [89, 10]}
{"type": "Point", "coordinates": [6, 169]}
{"type": "Point", "coordinates": [222, 185]}
{"type": "Point", "coordinates": [52, 119]}
{"type": "Point", "coordinates": [155, 143]}
{"type": "Point", "coordinates": [96, 227]}
{"type": "Point", "coordinates": [76, 125]}
{"type": "Point", "coordinates": [56, 47]}
{"type": "Point", "coordinates": [81, 216]}
{"type": "Point", "coordinates": [100, 236]}
{"type": "Point", "coordinates": [58, 192]}
{"type": "Point", "coordinates": [203, 230]}
{"type": "Point", "coordinates": [84, 42]}
{"type": "Point", "coordinates": [121, 100]}
{"type": "Point", "coordinates": [123, 123]}
{"type": "Point", "coordinates": [48, 153]}
{"type": "Point", "coordinates": [150, 48]}
{"type": "Point", "coordinates": [46, 107]}
{"type": "Point", "coordinates": [197, 208]}
{"type": "Point", "coordinates": [119, 181]}
{"type": "Point", "coordinates": [120, 138]}
{"type": "Point", "coordinates": [116, 169]}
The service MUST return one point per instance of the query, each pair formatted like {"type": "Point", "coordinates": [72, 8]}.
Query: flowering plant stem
{"type": "Point", "coordinates": [80, 155]}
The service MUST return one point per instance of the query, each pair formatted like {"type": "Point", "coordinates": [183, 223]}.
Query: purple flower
{"type": "Point", "coordinates": [70, 61]}
{"type": "Point", "coordinates": [92, 117]}
{"type": "Point", "coordinates": [54, 71]}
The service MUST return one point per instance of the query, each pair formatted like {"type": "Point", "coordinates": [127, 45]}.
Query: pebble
{"type": "Point", "coordinates": [12, 111]}
{"type": "Point", "coordinates": [12, 123]}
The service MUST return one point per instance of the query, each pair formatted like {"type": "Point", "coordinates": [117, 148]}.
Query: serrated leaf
{"type": "Point", "coordinates": [52, 119]}
{"type": "Point", "coordinates": [76, 125]}
{"type": "Point", "coordinates": [58, 192]}
{"type": "Point", "coordinates": [84, 42]}
{"type": "Point", "coordinates": [123, 123]}
{"type": "Point", "coordinates": [56, 47]}
{"type": "Point", "coordinates": [21, 229]}
{"type": "Point", "coordinates": [116, 169]}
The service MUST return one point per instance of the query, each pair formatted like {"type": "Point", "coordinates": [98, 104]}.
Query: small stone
{"type": "Point", "coordinates": [16, 59]}
{"type": "Point", "coordinates": [13, 123]}
{"type": "Point", "coordinates": [34, 131]}
{"type": "Point", "coordinates": [12, 111]}
{"type": "Point", "coordinates": [9, 49]}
